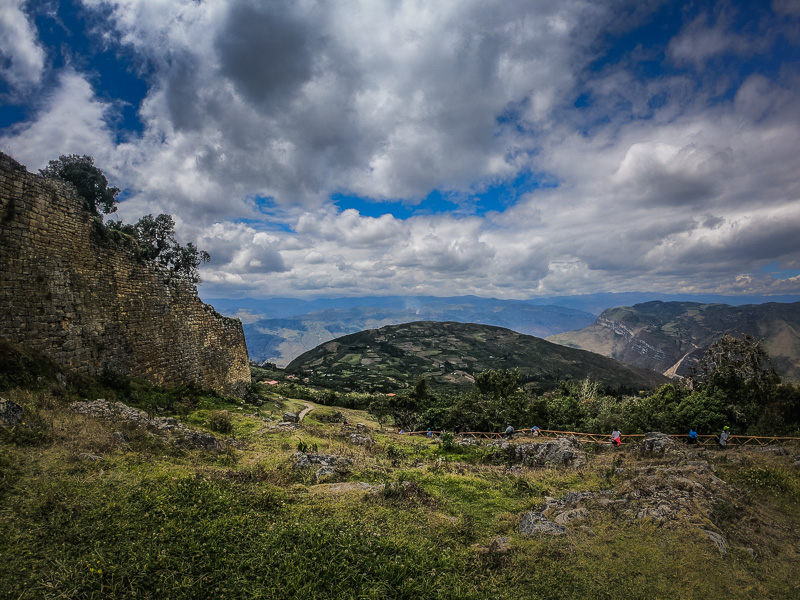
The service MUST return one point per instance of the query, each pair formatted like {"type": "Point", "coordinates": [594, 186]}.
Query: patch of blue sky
{"type": "Point", "coordinates": [70, 41]}
{"type": "Point", "coordinates": [492, 198]}
{"type": "Point", "coordinates": [273, 216]}
{"type": "Point", "coordinates": [647, 41]}
{"type": "Point", "coordinates": [774, 270]}
{"type": "Point", "coordinates": [399, 209]}
{"type": "Point", "coordinates": [265, 225]}
{"type": "Point", "coordinates": [266, 205]}
{"type": "Point", "coordinates": [10, 114]}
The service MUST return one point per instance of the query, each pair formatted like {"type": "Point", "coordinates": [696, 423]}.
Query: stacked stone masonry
{"type": "Point", "coordinates": [80, 296]}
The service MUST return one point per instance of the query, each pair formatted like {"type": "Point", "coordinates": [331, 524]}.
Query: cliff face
{"type": "Point", "coordinates": [76, 293]}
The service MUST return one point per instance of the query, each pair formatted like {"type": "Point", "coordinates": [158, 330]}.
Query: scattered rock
{"type": "Point", "coordinates": [720, 542]}
{"type": "Point", "coordinates": [499, 444]}
{"type": "Point", "coordinates": [290, 417]}
{"type": "Point", "coordinates": [776, 450]}
{"type": "Point", "coordinates": [468, 441]}
{"type": "Point", "coordinates": [571, 515]}
{"type": "Point", "coordinates": [659, 444]}
{"type": "Point", "coordinates": [343, 488]}
{"type": "Point", "coordinates": [10, 413]}
{"type": "Point", "coordinates": [534, 523]}
{"type": "Point", "coordinates": [565, 451]}
{"type": "Point", "coordinates": [167, 427]}
{"type": "Point", "coordinates": [324, 472]}
{"type": "Point", "coordinates": [361, 440]}
{"type": "Point", "coordinates": [339, 464]}
{"type": "Point", "coordinates": [671, 494]}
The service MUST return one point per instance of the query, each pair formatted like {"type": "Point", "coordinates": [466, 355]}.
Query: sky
{"type": "Point", "coordinates": [507, 149]}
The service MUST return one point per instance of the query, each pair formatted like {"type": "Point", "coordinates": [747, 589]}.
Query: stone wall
{"type": "Point", "coordinates": [77, 293]}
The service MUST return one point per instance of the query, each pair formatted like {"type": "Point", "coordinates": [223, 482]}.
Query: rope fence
{"type": "Point", "coordinates": [602, 438]}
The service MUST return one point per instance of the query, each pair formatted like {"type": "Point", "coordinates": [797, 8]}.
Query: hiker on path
{"type": "Point", "coordinates": [509, 431]}
{"type": "Point", "coordinates": [692, 435]}
{"type": "Point", "coordinates": [616, 437]}
{"type": "Point", "coordinates": [430, 433]}
{"type": "Point", "coordinates": [723, 437]}
{"type": "Point", "coordinates": [535, 431]}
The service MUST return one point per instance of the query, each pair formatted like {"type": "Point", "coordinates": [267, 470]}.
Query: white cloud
{"type": "Point", "coordinates": [70, 120]}
{"type": "Point", "coordinates": [21, 55]}
{"type": "Point", "coordinates": [256, 113]}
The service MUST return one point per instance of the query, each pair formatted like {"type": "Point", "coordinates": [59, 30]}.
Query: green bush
{"type": "Point", "coordinates": [220, 420]}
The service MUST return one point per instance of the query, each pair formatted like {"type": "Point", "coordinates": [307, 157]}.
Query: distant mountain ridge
{"type": "Point", "coordinates": [279, 329]}
{"type": "Point", "coordinates": [448, 353]}
{"type": "Point", "coordinates": [280, 337]}
{"type": "Point", "coordinates": [670, 337]}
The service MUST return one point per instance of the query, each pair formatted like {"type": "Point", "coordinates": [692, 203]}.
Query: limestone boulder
{"type": "Point", "coordinates": [565, 452]}
{"type": "Point", "coordinates": [10, 413]}
{"type": "Point", "coordinates": [660, 444]}
{"type": "Point", "coordinates": [535, 523]}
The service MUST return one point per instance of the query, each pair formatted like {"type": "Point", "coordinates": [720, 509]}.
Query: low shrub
{"type": "Point", "coordinates": [220, 421]}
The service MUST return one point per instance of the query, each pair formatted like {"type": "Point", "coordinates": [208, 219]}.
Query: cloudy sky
{"type": "Point", "coordinates": [509, 149]}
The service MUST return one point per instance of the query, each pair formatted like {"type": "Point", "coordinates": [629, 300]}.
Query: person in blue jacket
{"type": "Point", "coordinates": [692, 435]}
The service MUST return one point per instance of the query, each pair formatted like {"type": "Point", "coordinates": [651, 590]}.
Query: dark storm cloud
{"type": "Point", "coordinates": [265, 50]}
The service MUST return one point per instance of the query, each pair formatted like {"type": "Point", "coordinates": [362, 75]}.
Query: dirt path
{"type": "Point", "coordinates": [305, 411]}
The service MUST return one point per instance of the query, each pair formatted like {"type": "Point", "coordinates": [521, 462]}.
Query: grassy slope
{"type": "Point", "coordinates": [83, 515]}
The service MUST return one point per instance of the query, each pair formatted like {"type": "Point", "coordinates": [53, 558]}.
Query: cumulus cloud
{"type": "Point", "coordinates": [69, 120]}
{"type": "Point", "coordinates": [291, 100]}
{"type": "Point", "coordinates": [257, 114]}
{"type": "Point", "coordinates": [21, 55]}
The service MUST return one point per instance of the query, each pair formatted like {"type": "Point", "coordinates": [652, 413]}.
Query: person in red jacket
{"type": "Point", "coordinates": [616, 437]}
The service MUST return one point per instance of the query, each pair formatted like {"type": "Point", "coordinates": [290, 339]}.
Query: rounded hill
{"type": "Point", "coordinates": [448, 354]}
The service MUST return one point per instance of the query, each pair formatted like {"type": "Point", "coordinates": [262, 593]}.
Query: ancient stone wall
{"type": "Point", "coordinates": [77, 293]}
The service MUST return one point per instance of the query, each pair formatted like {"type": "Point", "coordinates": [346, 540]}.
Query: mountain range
{"type": "Point", "coordinates": [279, 329]}
{"type": "Point", "coordinates": [447, 354]}
{"type": "Point", "coordinates": [670, 337]}
{"type": "Point", "coordinates": [279, 338]}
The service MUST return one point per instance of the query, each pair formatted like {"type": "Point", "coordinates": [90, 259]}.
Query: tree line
{"type": "Point", "coordinates": [734, 384]}
{"type": "Point", "coordinates": [154, 236]}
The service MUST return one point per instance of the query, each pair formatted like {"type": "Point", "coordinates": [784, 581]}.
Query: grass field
{"type": "Point", "coordinates": [100, 509]}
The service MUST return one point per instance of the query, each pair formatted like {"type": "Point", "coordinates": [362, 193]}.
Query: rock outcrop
{"type": "Point", "coordinates": [10, 413]}
{"type": "Point", "coordinates": [166, 427]}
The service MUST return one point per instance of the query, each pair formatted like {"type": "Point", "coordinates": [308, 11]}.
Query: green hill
{"type": "Point", "coordinates": [670, 337]}
{"type": "Point", "coordinates": [447, 354]}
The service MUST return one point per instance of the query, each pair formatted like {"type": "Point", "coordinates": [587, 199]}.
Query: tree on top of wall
{"type": "Point", "coordinates": [155, 237]}
{"type": "Point", "coordinates": [89, 181]}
